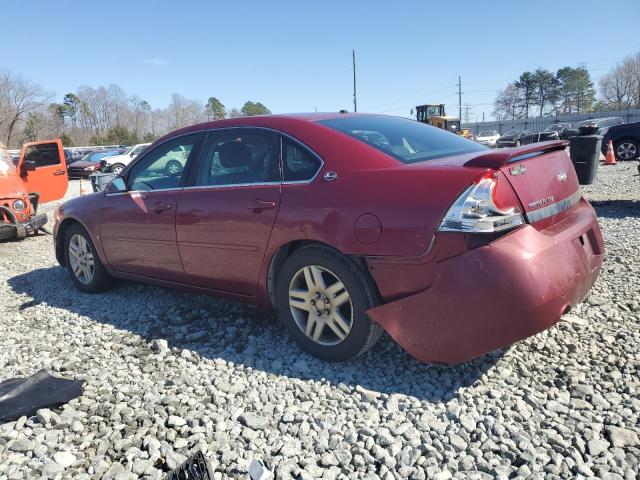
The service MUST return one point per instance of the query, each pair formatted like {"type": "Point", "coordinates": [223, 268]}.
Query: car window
{"type": "Point", "coordinates": [299, 163]}
{"type": "Point", "coordinates": [164, 166]}
{"type": "Point", "coordinates": [43, 155]}
{"type": "Point", "coordinates": [408, 141]}
{"type": "Point", "coordinates": [138, 150]}
{"type": "Point", "coordinates": [239, 157]}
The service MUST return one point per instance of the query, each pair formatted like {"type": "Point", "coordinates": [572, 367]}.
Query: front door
{"type": "Point", "coordinates": [137, 225]}
{"type": "Point", "coordinates": [224, 222]}
{"type": "Point", "coordinates": [43, 168]}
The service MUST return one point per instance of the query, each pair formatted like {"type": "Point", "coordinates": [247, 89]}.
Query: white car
{"type": "Point", "coordinates": [117, 163]}
{"type": "Point", "coordinates": [488, 138]}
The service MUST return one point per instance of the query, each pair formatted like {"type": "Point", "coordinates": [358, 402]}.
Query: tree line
{"type": "Point", "coordinates": [569, 90]}
{"type": "Point", "coordinates": [99, 115]}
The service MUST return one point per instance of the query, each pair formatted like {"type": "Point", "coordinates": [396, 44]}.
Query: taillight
{"type": "Point", "coordinates": [488, 205]}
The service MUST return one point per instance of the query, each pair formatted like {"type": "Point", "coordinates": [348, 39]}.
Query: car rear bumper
{"type": "Point", "coordinates": [20, 230]}
{"type": "Point", "coordinates": [495, 295]}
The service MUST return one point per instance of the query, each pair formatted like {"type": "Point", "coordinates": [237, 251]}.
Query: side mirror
{"type": "Point", "coordinates": [116, 185]}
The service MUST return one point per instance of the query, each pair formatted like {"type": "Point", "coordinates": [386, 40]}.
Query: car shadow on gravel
{"type": "Point", "coordinates": [244, 335]}
{"type": "Point", "coordinates": [616, 208]}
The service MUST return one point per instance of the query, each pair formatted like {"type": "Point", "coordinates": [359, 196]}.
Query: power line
{"type": "Point", "coordinates": [392, 108]}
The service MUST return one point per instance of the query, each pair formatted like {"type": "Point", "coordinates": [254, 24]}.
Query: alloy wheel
{"type": "Point", "coordinates": [81, 259]}
{"type": "Point", "coordinates": [173, 168]}
{"type": "Point", "coordinates": [117, 170]}
{"type": "Point", "coordinates": [626, 151]}
{"type": "Point", "coordinates": [320, 305]}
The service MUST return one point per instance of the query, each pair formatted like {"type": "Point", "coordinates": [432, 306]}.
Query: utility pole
{"type": "Point", "coordinates": [459, 98]}
{"type": "Point", "coordinates": [355, 102]}
{"type": "Point", "coordinates": [482, 117]}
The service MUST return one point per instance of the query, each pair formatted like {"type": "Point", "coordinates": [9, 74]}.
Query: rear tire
{"type": "Point", "coordinates": [322, 299]}
{"type": "Point", "coordinates": [627, 149]}
{"type": "Point", "coordinates": [173, 167]}
{"type": "Point", "coordinates": [82, 261]}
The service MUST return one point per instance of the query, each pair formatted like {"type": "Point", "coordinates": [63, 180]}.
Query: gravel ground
{"type": "Point", "coordinates": [169, 373]}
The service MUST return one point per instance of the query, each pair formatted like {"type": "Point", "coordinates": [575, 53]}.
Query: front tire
{"type": "Point", "coordinates": [117, 168]}
{"type": "Point", "coordinates": [322, 298]}
{"type": "Point", "coordinates": [83, 264]}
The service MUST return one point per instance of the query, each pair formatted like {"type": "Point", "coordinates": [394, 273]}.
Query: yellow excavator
{"type": "Point", "coordinates": [435, 115]}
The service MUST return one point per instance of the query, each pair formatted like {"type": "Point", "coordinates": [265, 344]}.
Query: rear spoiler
{"type": "Point", "coordinates": [499, 158]}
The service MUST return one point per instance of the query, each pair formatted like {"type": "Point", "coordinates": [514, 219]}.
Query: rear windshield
{"type": "Point", "coordinates": [405, 140]}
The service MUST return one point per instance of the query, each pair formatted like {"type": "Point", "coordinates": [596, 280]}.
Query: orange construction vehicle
{"type": "Point", "coordinates": [39, 176]}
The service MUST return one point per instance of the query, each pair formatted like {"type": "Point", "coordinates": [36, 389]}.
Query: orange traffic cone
{"type": "Point", "coordinates": [610, 157]}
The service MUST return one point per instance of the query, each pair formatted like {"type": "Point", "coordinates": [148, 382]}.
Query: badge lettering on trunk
{"type": "Point", "coordinates": [518, 170]}
{"type": "Point", "coordinates": [541, 202]}
{"type": "Point", "coordinates": [562, 176]}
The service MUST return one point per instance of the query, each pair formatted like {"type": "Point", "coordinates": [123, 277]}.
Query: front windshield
{"type": "Point", "coordinates": [405, 140]}
{"type": "Point", "coordinates": [588, 123]}
{"type": "Point", "coordinates": [486, 133]}
{"type": "Point", "coordinates": [553, 128]}
{"type": "Point", "coordinates": [5, 161]}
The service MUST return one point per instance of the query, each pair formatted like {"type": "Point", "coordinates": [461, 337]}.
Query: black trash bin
{"type": "Point", "coordinates": [585, 156]}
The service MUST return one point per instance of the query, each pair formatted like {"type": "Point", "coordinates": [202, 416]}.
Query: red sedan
{"type": "Point", "coordinates": [348, 225]}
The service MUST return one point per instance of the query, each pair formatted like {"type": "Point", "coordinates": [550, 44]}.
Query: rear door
{"type": "Point", "coordinates": [43, 168]}
{"type": "Point", "coordinates": [224, 221]}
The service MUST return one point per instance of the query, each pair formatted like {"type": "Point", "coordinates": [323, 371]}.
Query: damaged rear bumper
{"type": "Point", "coordinates": [493, 296]}
{"type": "Point", "coordinates": [21, 230]}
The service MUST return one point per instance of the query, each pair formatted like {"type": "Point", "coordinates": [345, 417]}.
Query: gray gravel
{"type": "Point", "coordinates": [169, 373]}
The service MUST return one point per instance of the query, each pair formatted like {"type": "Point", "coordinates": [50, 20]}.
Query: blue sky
{"type": "Point", "coordinates": [296, 55]}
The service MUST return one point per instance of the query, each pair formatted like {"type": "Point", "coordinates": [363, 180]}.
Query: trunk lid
{"type": "Point", "coordinates": [541, 174]}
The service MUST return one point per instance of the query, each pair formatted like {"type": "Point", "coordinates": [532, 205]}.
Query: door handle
{"type": "Point", "coordinates": [160, 207]}
{"type": "Point", "coordinates": [59, 172]}
{"type": "Point", "coordinates": [260, 205]}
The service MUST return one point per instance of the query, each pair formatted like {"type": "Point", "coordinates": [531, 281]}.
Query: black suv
{"type": "Point", "coordinates": [626, 140]}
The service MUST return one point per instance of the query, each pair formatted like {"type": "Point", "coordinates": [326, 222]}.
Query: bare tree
{"type": "Point", "coordinates": [235, 113]}
{"type": "Point", "coordinates": [619, 88]}
{"type": "Point", "coordinates": [508, 103]}
{"type": "Point", "coordinates": [182, 112]}
{"type": "Point", "coordinates": [18, 97]}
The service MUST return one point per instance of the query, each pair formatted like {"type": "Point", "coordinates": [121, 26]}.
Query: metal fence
{"type": "Point", "coordinates": [537, 124]}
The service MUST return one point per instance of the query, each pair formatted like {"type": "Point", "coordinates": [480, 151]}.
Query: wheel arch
{"type": "Point", "coordinates": [286, 250]}
{"type": "Point", "coordinates": [60, 234]}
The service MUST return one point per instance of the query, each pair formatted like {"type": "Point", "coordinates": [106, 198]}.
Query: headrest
{"type": "Point", "coordinates": [234, 154]}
